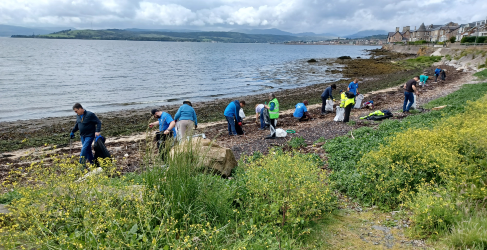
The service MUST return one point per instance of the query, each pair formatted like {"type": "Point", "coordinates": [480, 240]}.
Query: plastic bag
{"type": "Point", "coordinates": [358, 101]}
{"type": "Point", "coordinates": [100, 149]}
{"type": "Point", "coordinates": [281, 132]}
{"type": "Point", "coordinates": [329, 105]}
{"type": "Point", "coordinates": [241, 113]}
{"type": "Point", "coordinates": [267, 118]}
{"type": "Point", "coordinates": [415, 101]}
{"type": "Point", "coordinates": [340, 114]}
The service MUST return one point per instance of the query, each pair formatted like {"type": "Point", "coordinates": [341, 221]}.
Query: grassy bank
{"type": "Point", "coordinates": [431, 164]}
{"type": "Point", "coordinates": [271, 203]}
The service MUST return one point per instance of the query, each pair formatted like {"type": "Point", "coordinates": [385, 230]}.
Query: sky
{"type": "Point", "coordinates": [320, 16]}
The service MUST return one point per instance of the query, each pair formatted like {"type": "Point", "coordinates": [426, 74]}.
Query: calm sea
{"type": "Point", "coordinates": [44, 78]}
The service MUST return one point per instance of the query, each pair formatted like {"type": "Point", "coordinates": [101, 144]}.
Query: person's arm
{"type": "Point", "coordinates": [307, 114]}
{"type": "Point", "coordinates": [195, 119]}
{"type": "Point", "coordinates": [74, 129]}
{"type": "Point", "coordinates": [178, 114]}
{"type": "Point", "coordinates": [273, 105]}
{"type": "Point", "coordinates": [331, 91]}
{"type": "Point", "coordinates": [415, 90]}
{"type": "Point", "coordinates": [154, 124]}
{"type": "Point", "coordinates": [98, 125]}
{"type": "Point", "coordinates": [171, 126]}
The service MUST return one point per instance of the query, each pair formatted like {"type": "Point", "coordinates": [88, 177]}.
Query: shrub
{"type": "Point", "coordinates": [481, 74]}
{"type": "Point", "coordinates": [469, 233]}
{"type": "Point", "coordinates": [297, 142]}
{"type": "Point", "coordinates": [287, 189]}
{"type": "Point", "coordinates": [473, 39]}
{"type": "Point", "coordinates": [453, 39]}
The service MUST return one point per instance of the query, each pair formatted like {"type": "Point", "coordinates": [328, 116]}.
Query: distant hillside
{"type": "Point", "coordinates": [143, 35]}
{"type": "Point", "coordinates": [263, 32]}
{"type": "Point", "coordinates": [9, 30]}
{"type": "Point", "coordinates": [305, 36]}
{"type": "Point", "coordinates": [366, 33]}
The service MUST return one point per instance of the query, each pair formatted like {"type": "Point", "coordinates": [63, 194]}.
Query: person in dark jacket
{"type": "Point", "coordinates": [232, 115]}
{"type": "Point", "coordinates": [327, 94]}
{"type": "Point", "coordinates": [89, 127]}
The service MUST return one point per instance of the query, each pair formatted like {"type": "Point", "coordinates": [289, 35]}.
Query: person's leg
{"type": "Point", "coordinates": [411, 101]}
{"type": "Point", "coordinates": [304, 118]}
{"type": "Point", "coordinates": [86, 154]}
{"type": "Point", "coordinates": [231, 125]}
{"type": "Point", "coordinates": [273, 127]}
{"type": "Point", "coordinates": [181, 130]}
{"type": "Point", "coordinates": [165, 144]}
{"type": "Point", "coordinates": [405, 101]}
{"type": "Point", "coordinates": [348, 109]}
{"type": "Point", "coordinates": [436, 78]}
{"type": "Point", "coordinates": [323, 105]}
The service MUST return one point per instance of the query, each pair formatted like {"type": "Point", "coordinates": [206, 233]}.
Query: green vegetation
{"type": "Point", "coordinates": [267, 205]}
{"type": "Point", "coordinates": [453, 39]}
{"type": "Point", "coordinates": [421, 42]}
{"type": "Point", "coordinates": [481, 74]}
{"type": "Point", "coordinates": [6, 198]}
{"type": "Point", "coordinates": [473, 39]}
{"type": "Point", "coordinates": [432, 164]}
{"type": "Point", "coordinates": [448, 57]}
{"type": "Point", "coordinates": [144, 35]}
{"type": "Point", "coordinates": [297, 142]}
{"type": "Point", "coordinates": [420, 62]}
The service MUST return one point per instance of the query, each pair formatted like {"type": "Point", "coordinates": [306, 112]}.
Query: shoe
{"type": "Point", "coordinates": [271, 137]}
{"type": "Point", "coordinates": [261, 128]}
{"type": "Point", "coordinates": [323, 113]}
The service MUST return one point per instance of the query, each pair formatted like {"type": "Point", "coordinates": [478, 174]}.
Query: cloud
{"type": "Point", "coordinates": [338, 16]}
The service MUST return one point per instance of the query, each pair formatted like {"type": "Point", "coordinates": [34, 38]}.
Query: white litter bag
{"type": "Point", "coordinates": [329, 105]}
{"type": "Point", "coordinates": [358, 101]}
{"type": "Point", "coordinates": [340, 114]}
{"type": "Point", "coordinates": [241, 113]}
{"type": "Point", "coordinates": [415, 101]}
{"type": "Point", "coordinates": [281, 132]}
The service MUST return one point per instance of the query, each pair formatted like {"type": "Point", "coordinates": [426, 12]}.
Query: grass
{"type": "Point", "coordinates": [481, 75]}
{"type": "Point", "coordinates": [420, 62]}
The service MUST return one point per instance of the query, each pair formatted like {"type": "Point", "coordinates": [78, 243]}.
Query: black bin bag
{"type": "Point", "coordinates": [101, 151]}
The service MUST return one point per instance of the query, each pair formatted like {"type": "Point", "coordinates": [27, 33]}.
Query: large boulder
{"type": "Point", "coordinates": [220, 160]}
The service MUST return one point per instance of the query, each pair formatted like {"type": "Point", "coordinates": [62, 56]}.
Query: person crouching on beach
{"type": "Point", "coordinates": [301, 113]}
{"type": "Point", "coordinates": [423, 79]}
{"type": "Point", "coordinates": [89, 127]}
{"type": "Point", "coordinates": [273, 108]}
{"type": "Point", "coordinates": [166, 127]}
{"type": "Point", "coordinates": [231, 113]}
{"type": "Point", "coordinates": [187, 121]}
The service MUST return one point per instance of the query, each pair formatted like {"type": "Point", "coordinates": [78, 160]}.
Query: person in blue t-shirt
{"type": "Point", "coordinates": [353, 87]}
{"type": "Point", "coordinates": [166, 128]}
{"type": "Point", "coordinates": [301, 112]}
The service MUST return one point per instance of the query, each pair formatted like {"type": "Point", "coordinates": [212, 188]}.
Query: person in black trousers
{"type": "Point", "coordinates": [327, 94]}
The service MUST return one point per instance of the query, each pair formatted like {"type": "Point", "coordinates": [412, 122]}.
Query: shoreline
{"type": "Point", "coordinates": [54, 130]}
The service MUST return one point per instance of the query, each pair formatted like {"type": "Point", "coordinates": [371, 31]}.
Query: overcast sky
{"type": "Point", "coordinates": [319, 16]}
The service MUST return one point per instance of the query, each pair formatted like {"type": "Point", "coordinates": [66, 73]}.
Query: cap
{"type": "Point", "coordinates": [153, 111]}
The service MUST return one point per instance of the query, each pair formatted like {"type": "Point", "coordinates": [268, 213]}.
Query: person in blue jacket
{"type": "Point", "coordinates": [437, 73]}
{"type": "Point", "coordinates": [353, 87]}
{"type": "Point", "coordinates": [301, 112]}
{"type": "Point", "coordinates": [186, 118]}
{"type": "Point", "coordinates": [89, 127]}
{"type": "Point", "coordinates": [232, 115]}
{"type": "Point", "coordinates": [167, 131]}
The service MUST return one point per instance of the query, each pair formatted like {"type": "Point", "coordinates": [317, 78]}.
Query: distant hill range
{"type": "Point", "coordinates": [235, 36]}
{"type": "Point", "coordinates": [9, 30]}
{"type": "Point", "coordinates": [284, 33]}
{"type": "Point", "coordinates": [149, 35]}
{"type": "Point", "coordinates": [366, 33]}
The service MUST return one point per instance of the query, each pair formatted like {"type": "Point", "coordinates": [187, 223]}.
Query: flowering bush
{"type": "Point", "coordinates": [287, 189]}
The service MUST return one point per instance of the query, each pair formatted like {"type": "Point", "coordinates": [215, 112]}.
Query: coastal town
{"type": "Point", "coordinates": [438, 33]}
